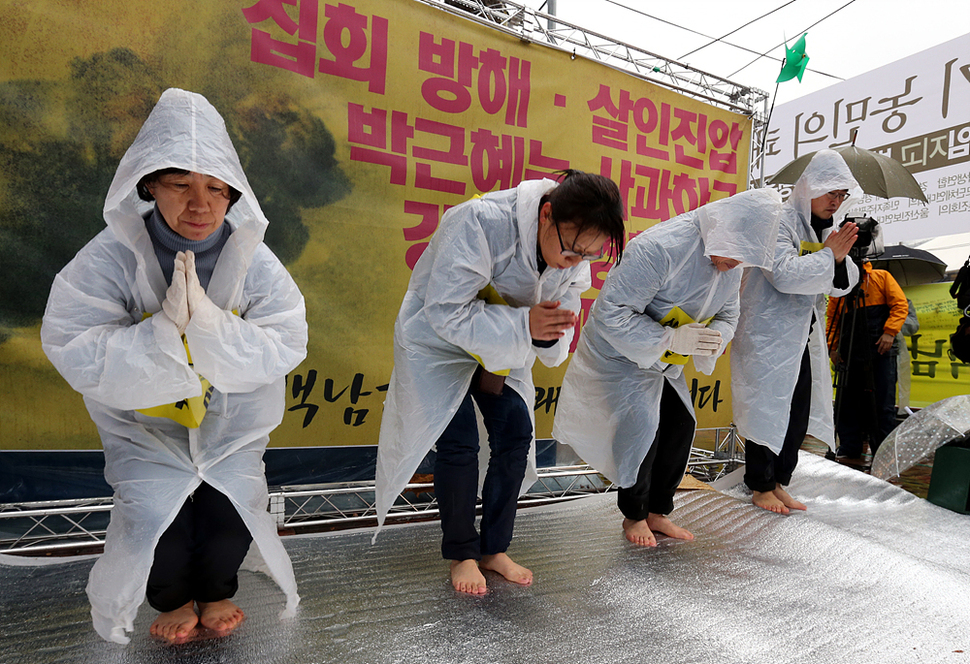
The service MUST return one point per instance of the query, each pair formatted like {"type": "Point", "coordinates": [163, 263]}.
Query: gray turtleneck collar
{"type": "Point", "coordinates": [167, 243]}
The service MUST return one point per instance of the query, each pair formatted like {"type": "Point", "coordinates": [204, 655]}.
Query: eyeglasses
{"type": "Point", "coordinates": [837, 195]}
{"type": "Point", "coordinates": [568, 253]}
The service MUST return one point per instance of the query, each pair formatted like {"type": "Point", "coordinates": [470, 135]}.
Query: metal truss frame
{"type": "Point", "coordinates": [533, 26]}
{"type": "Point", "coordinates": [77, 526]}
{"type": "Point", "coordinates": [52, 527]}
{"type": "Point", "coordinates": [727, 455]}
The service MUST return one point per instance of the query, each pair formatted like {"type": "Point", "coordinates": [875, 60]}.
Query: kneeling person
{"type": "Point", "coordinates": [176, 275]}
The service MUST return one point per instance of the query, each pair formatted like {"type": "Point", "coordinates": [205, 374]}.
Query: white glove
{"type": "Point", "coordinates": [195, 294]}
{"type": "Point", "coordinates": [176, 305]}
{"type": "Point", "coordinates": [695, 339]}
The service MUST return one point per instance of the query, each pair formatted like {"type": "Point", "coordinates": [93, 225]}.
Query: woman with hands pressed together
{"type": "Point", "coordinates": [178, 326]}
{"type": "Point", "coordinates": [781, 384]}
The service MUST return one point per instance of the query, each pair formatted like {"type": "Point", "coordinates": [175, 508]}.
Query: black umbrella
{"type": "Point", "coordinates": [909, 266]}
{"type": "Point", "coordinates": [877, 174]}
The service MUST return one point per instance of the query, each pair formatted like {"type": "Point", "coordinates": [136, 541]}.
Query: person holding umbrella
{"type": "Point", "coordinates": [780, 377]}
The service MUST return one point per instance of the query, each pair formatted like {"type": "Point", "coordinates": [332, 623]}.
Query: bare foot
{"type": "Point", "coordinates": [511, 570]}
{"type": "Point", "coordinates": [221, 616]}
{"type": "Point", "coordinates": [177, 625]}
{"type": "Point", "coordinates": [659, 523]}
{"type": "Point", "coordinates": [787, 500]}
{"type": "Point", "coordinates": [639, 532]}
{"type": "Point", "coordinates": [767, 500]}
{"type": "Point", "coordinates": [466, 577]}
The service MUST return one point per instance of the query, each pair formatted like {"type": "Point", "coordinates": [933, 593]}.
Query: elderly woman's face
{"type": "Point", "coordinates": [193, 205]}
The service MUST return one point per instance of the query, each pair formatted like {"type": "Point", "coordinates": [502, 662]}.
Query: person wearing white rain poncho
{"type": "Point", "coordinates": [500, 283]}
{"type": "Point", "coordinates": [159, 284]}
{"type": "Point", "coordinates": [780, 378]}
{"type": "Point", "coordinates": [624, 406]}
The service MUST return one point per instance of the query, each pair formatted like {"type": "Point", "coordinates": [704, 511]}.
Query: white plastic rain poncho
{"type": "Point", "coordinates": [609, 407]}
{"type": "Point", "coordinates": [487, 241]}
{"type": "Point", "coordinates": [777, 307]}
{"type": "Point", "coordinates": [95, 335]}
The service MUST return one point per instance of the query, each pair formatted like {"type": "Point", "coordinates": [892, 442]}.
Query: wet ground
{"type": "Point", "coordinates": [916, 480]}
{"type": "Point", "coordinates": [869, 573]}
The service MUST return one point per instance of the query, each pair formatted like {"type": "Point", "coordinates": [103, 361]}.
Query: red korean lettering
{"type": "Point", "coordinates": [546, 166]}
{"type": "Point", "coordinates": [496, 161]}
{"type": "Point", "coordinates": [449, 91]}
{"type": "Point", "coordinates": [299, 57]}
{"type": "Point", "coordinates": [344, 19]}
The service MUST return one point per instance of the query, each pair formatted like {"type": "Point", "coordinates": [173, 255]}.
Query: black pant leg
{"type": "Point", "coordinates": [759, 467]}
{"type": "Point", "coordinates": [170, 579]}
{"type": "Point", "coordinates": [509, 424]}
{"type": "Point", "coordinates": [885, 387]}
{"type": "Point", "coordinates": [456, 484]}
{"type": "Point", "coordinates": [798, 416]}
{"type": "Point", "coordinates": [663, 467]}
{"type": "Point", "coordinates": [763, 469]}
{"type": "Point", "coordinates": [222, 541]}
{"type": "Point", "coordinates": [634, 501]}
{"type": "Point", "coordinates": [674, 439]}
{"type": "Point", "coordinates": [854, 409]}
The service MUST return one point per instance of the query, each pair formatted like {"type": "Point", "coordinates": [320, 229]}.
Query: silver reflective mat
{"type": "Point", "coordinates": [870, 574]}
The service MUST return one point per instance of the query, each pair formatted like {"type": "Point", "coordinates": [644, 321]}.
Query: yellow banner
{"type": "Point", "coordinates": [358, 124]}
{"type": "Point", "coordinates": [935, 373]}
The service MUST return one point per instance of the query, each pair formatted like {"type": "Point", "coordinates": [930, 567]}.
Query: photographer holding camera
{"type": "Point", "coordinates": [861, 332]}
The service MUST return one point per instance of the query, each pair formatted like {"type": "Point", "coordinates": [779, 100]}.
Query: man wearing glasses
{"type": "Point", "coordinates": [780, 379]}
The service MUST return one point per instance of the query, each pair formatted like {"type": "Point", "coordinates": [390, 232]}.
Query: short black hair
{"type": "Point", "coordinates": [590, 202]}
{"type": "Point", "coordinates": [151, 178]}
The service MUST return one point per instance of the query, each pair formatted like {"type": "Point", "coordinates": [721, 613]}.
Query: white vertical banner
{"type": "Point", "coordinates": [915, 110]}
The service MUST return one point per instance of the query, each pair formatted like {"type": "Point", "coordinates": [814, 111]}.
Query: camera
{"type": "Point", "coordinates": [869, 243]}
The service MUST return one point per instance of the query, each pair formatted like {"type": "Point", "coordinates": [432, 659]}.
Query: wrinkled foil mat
{"type": "Point", "coordinates": [869, 574]}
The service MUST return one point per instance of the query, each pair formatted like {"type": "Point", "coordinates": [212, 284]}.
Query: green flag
{"type": "Point", "coordinates": [796, 60]}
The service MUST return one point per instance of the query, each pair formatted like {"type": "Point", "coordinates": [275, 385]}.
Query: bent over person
{"type": "Point", "coordinates": [178, 326]}
{"type": "Point", "coordinates": [624, 406]}
{"type": "Point", "coordinates": [780, 379]}
{"type": "Point", "coordinates": [498, 286]}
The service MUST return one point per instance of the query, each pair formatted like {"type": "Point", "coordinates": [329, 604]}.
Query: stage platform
{"type": "Point", "coordinates": [869, 574]}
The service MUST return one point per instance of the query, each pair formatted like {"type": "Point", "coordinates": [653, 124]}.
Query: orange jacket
{"type": "Point", "coordinates": [880, 288]}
